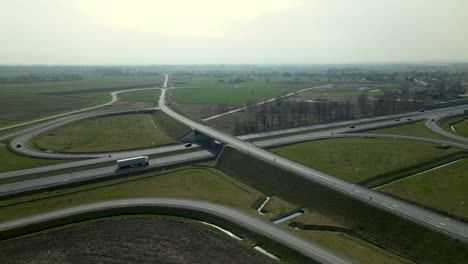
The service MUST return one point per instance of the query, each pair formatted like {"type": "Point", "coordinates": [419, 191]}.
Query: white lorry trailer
{"type": "Point", "coordinates": [133, 162]}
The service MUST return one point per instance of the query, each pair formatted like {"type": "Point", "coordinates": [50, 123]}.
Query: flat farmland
{"type": "Point", "coordinates": [104, 134]}
{"type": "Point", "coordinates": [223, 82]}
{"type": "Point", "coordinates": [140, 96]}
{"type": "Point", "coordinates": [229, 96]}
{"type": "Point", "coordinates": [361, 160]}
{"type": "Point", "coordinates": [96, 95]}
{"type": "Point", "coordinates": [443, 188]}
{"type": "Point", "coordinates": [146, 239]}
{"type": "Point", "coordinates": [26, 101]}
{"type": "Point", "coordinates": [18, 107]}
{"type": "Point", "coordinates": [89, 83]}
{"type": "Point", "coordinates": [333, 93]}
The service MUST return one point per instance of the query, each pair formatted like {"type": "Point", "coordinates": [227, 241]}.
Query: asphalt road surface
{"type": "Point", "coordinates": [45, 182]}
{"type": "Point", "coordinates": [432, 125]}
{"type": "Point", "coordinates": [250, 222]}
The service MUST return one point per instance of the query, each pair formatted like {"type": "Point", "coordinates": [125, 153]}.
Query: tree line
{"type": "Point", "coordinates": [41, 78]}
{"type": "Point", "coordinates": [287, 113]}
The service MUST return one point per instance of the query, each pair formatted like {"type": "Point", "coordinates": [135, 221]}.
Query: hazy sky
{"type": "Point", "coordinates": [235, 31]}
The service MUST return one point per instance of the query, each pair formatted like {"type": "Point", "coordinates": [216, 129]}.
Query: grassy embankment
{"type": "Point", "coordinates": [169, 126]}
{"type": "Point", "coordinates": [111, 133]}
{"type": "Point", "coordinates": [27, 101]}
{"type": "Point", "coordinates": [141, 96]}
{"type": "Point", "coordinates": [12, 161]}
{"type": "Point", "coordinates": [460, 123]}
{"type": "Point", "coordinates": [462, 128]}
{"type": "Point", "coordinates": [369, 162]}
{"type": "Point", "coordinates": [443, 188]}
{"type": "Point", "coordinates": [403, 237]}
{"type": "Point", "coordinates": [344, 244]}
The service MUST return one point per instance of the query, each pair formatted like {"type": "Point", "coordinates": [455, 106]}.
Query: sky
{"type": "Point", "coordinates": [232, 32]}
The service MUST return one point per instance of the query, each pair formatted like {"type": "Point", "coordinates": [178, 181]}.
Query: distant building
{"type": "Point", "coordinates": [363, 89]}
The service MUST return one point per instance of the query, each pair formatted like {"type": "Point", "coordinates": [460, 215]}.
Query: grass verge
{"type": "Point", "coordinates": [169, 126]}
{"type": "Point", "coordinates": [442, 189]}
{"type": "Point", "coordinates": [12, 161]}
{"type": "Point", "coordinates": [369, 161]}
{"type": "Point", "coordinates": [112, 133]}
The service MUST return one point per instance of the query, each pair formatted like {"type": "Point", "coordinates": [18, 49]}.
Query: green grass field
{"type": "Point", "coordinates": [459, 123]}
{"type": "Point", "coordinates": [442, 189]}
{"type": "Point", "coordinates": [217, 83]}
{"type": "Point", "coordinates": [25, 101]}
{"type": "Point", "coordinates": [141, 96]}
{"type": "Point", "coordinates": [346, 245]}
{"type": "Point", "coordinates": [331, 93]}
{"type": "Point", "coordinates": [229, 96]}
{"type": "Point", "coordinates": [96, 95]}
{"type": "Point", "coordinates": [462, 128]}
{"type": "Point", "coordinates": [18, 107]}
{"type": "Point", "coordinates": [12, 161]}
{"type": "Point", "coordinates": [418, 129]}
{"type": "Point", "coordinates": [91, 82]}
{"type": "Point", "coordinates": [104, 134]}
{"type": "Point", "coordinates": [358, 159]}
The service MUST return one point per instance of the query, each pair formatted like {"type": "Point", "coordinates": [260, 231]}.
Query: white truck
{"type": "Point", "coordinates": [133, 162]}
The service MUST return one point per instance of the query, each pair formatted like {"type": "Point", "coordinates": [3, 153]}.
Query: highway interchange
{"type": "Point", "coordinates": [412, 212]}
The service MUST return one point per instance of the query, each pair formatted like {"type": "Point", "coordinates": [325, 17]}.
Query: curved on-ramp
{"type": "Point", "coordinates": [432, 125]}
{"type": "Point", "coordinates": [113, 100]}
{"type": "Point", "coordinates": [150, 205]}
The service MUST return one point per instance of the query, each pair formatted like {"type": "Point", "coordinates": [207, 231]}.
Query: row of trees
{"type": "Point", "coordinates": [286, 113]}
{"type": "Point", "coordinates": [41, 78]}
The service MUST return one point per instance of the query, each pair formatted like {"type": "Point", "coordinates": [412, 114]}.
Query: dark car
{"type": "Point", "coordinates": [18, 145]}
{"type": "Point", "coordinates": [409, 119]}
{"type": "Point", "coordinates": [352, 126]}
{"type": "Point", "coordinates": [421, 110]}
{"type": "Point", "coordinates": [188, 145]}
